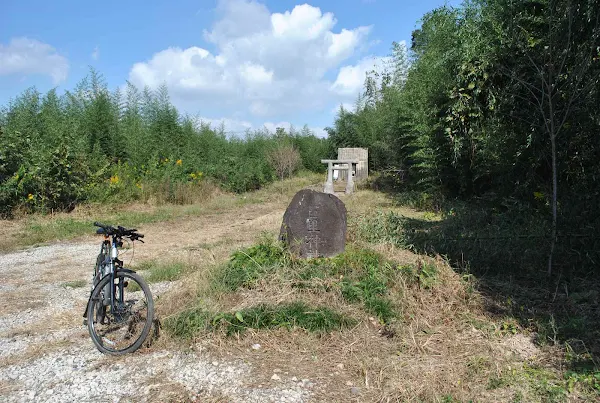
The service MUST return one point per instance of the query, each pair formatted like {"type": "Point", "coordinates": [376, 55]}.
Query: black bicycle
{"type": "Point", "coordinates": [120, 309]}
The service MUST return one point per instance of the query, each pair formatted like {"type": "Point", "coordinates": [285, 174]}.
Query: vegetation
{"type": "Point", "coordinates": [487, 124]}
{"type": "Point", "coordinates": [392, 310]}
{"type": "Point", "coordinates": [292, 315]}
{"type": "Point", "coordinates": [497, 107]}
{"type": "Point", "coordinates": [96, 146]}
{"type": "Point", "coordinates": [359, 276]}
{"type": "Point", "coordinates": [155, 272]}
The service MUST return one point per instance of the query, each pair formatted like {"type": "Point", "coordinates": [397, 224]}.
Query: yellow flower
{"type": "Point", "coordinates": [179, 162]}
{"type": "Point", "coordinates": [29, 196]}
{"type": "Point", "coordinates": [538, 195]}
{"type": "Point", "coordinates": [193, 175]}
{"type": "Point", "coordinates": [166, 160]}
{"type": "Point", "coordinates": [138, 185]}
{"type": "Point", "coordinates": [114, 179]}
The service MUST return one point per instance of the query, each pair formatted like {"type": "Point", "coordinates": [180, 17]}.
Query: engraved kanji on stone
{"type": "Point", "coordinates": [314, 224]}
{"type": "Point", "coordinates": [313, 241]}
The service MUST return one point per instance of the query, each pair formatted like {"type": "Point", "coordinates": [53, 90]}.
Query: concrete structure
{"type": "Point", "coordinates": [343, 166]}
{"type": "Point", "coordinates": [360, 154]}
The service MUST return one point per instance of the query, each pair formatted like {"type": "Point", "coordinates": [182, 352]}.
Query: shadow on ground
{"type": "Point", "coordinates": [507, 251]}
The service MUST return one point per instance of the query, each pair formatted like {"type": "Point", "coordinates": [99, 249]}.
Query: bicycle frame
{"type": "Point", "coordinates": [108, 259]}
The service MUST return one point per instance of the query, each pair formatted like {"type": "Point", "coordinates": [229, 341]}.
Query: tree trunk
{"type": "Point", "coordinates": [554, 198]}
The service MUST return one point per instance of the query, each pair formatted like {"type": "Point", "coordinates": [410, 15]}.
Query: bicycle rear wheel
{"type": "Point", "coordinates": [122, 328]}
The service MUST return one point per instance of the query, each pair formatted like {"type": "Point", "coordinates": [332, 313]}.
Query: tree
{"type": "Point", "coordinates": [285, 159]}
{"type": "Point", "coordinates": [555, 63]}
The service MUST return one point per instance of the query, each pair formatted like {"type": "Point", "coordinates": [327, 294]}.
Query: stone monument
{"type": "Point", "coordinates": [314, 225]}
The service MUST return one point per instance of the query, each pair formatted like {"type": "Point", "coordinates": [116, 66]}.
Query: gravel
{"type": "Point", "coordinates": [46, 354]}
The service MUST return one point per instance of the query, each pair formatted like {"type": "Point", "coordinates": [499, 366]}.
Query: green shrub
{"type": "Point", "coordinates": [94, 145]}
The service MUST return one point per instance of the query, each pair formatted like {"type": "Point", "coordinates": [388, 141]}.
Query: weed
{"type": "Point", "coordinates": [382, 307]}
{"type": "Point", "coordinates": [497, 382]}
{"type": "Point", "coordinates": [249, 265]}
{"type": "Point", "coordinates": [38, 232]}
{"type": "Point", "coordinates": [290, 315]}
{"type": "Point", "coordinates": [545, 383]}
{"type": "Point", "coordinates": [589, 381]}
{"type": "Point", "coordinates": [478, 364]}
{"type": "Point", "coordinates": [75, 284]}
{"type": "Point", "coordinates": [508, 326]}
{"type": "Point", "coordinates": [188, 323]}
{"type": "Point", "coordinates": [155, 272]}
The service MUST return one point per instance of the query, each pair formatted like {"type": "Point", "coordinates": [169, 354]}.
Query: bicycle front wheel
{"type": "Point", "coordinates": [120, 327]}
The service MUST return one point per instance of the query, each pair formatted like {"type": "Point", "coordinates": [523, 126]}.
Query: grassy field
{"type": "Point", "coordinates": [376, 323]}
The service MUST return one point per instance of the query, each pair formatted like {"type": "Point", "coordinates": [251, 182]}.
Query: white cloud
{"type": "Point", "coordinates": [319, 132]}
{"type": "Point", "coordinates": [272, 127]}
{"type": "Point", "coordinates": [236, 127]}
{"type": "Point", "coordinates": [230, 125]}
{"type": "Point", "coordinates": [351, 79]}
{"type": "Point", "coordinates": [26, 56]}
{"type": "Point", "coordinates": [96, 53]}
{"type": "Point", "coordinates": [266, 65]}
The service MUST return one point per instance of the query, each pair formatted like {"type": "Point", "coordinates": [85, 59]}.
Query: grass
{"type": "Point", "coordinates": [405, 326]}
{"type": "Point", "coordinates": [359, 275]}
{"type": "Point", "coordinates": [156, 272]}
{"type": "Point", "coordinates": [75, 284]}
{"type": "Point", "coordinates": [263, 287]}
{"type": "Point", "coordinates": [38, 229]}
{"type": "Point", "coordinates": [294, 315]}
{"type": "Point", "coordinates": [422, 308]}
{"type": "Point", "coordinates": [248, 266]}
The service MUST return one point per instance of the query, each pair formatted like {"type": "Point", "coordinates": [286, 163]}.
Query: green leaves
{"type": "Point", "coordinates": [239, 316]}
{"type": "Point", "coordinates": [101, 145]}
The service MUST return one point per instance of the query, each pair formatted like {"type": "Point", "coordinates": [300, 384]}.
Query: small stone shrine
{"type": "Point", "coordinates": [314, 225]}
{"type": "Point", "coordinates": [338, 165]}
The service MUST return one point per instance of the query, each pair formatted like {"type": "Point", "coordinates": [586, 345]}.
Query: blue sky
{"type": "Point", "coordinates": [244, 62]}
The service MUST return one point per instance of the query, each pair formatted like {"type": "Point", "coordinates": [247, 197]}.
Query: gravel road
{"type": "Point", "coordinates": [46, 354]}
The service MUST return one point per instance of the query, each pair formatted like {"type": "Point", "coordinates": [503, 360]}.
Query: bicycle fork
{"type": "Point", "coordinates": [109, 290]}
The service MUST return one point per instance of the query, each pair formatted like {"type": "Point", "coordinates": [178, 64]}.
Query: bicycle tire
{"type": "Point", "coordinates": [93, 306]}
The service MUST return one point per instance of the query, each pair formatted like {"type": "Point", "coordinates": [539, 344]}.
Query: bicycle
{"type": "Point", "coordinates": [111, 316]}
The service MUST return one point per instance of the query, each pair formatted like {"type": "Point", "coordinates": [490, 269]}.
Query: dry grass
{"type": "Point", "coordinates": [36, 228]}
{"type": "Point", "coordinates": [431, 352]}
{"type": "Point", "coordinates": [35, 351]}
{"type": "Point", "coordinates": [442, 345]}
{"type": "Point", "coordinates": [12, 302]}
{"type": "Point", "coordinates": [7, 387]}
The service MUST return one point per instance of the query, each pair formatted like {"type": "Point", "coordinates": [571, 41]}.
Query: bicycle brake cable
{"type": "Point", "coordinates": [132, 253]}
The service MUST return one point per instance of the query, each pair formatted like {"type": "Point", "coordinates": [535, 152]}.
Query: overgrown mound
{"type": "Point", "coordinates": [408, 327]}
{"type": "Point", "coordinates": [264, 286]}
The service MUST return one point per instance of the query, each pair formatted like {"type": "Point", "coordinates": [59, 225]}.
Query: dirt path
{"type": "Point", "coordinates": [46, 353]}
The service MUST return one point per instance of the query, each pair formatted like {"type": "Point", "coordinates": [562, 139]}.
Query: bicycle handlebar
{"type": "Point", "coordinates": [119, 231]}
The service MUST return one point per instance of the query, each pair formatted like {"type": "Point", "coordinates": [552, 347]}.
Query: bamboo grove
{"type": "Point", "coordinates": [91, 144]}
{"type": "Point", "coordinates": [496, 103]}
